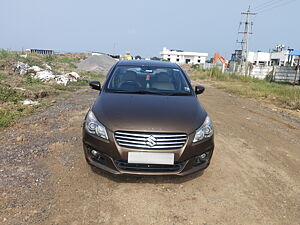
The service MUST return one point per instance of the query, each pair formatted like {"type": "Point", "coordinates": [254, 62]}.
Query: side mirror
{"type": "Point", "coordinates": [95, 85]}
{"type": "Point", "coordinates": [199, 89]}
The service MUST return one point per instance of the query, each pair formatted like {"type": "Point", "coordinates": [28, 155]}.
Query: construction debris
{"type": "Point", "coordinates": [47, 67]}
{"type": "Point", "coordinates": [61, 79]}
{"type": "Point", "coordinates": [21, 68]}
{"type": "Point", "coordinates": [34, 69]}
{"type": "Point", "coordinates": [45, 75]}
{"type": "Point", "coordinates": [73, 76]}
{"type": "Point", "coordinates": [29, 102]}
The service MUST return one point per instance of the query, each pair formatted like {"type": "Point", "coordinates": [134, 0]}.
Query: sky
{"type": "Point", "coordinates": [145, 27]}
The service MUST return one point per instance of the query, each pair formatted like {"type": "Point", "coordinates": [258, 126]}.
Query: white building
{"type": "Point", "coordinates": [181, 57]}
{"type": "Point", "coordinates": [259, 58]}
{"type": "Point", "coordinates": [278, 57]}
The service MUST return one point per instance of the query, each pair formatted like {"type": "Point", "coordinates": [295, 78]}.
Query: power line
{"type": "Point", "coordinates": [275, 6]}
{"type": "Point", "coordinates": [238, 30]}
{"type": "Point", "coordinates": [266, 4]}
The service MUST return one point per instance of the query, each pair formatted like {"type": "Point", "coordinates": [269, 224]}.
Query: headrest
{"type": "Point", "coordinates": [163, 77]}
{"type": "Point", "coordinates": [130, 76]}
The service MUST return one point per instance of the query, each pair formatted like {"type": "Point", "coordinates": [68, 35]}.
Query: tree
{"type": "Point", "coordinates": [155, 58]}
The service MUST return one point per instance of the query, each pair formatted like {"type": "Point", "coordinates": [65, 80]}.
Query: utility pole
{"type": "Point", "coordinates": [245, 42]}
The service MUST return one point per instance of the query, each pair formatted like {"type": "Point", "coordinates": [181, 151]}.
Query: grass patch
{"type": "Point", "coordinates": [86, 77]}
{"type": "Point", "coordinates": [284, 95]}
{"type": "Point", "coordinates": [2, 76]}
{"type": "Point", "coordinates": [31, 80]}
{"type": "Point", "coordinates": [90, 76]}
{"type": "Point", "coordinates": [8, 94]}
{"type": "Point", "coordinates": [8, 55]}
{"type": "Point", "coordinates": [10, 115]}
{"type": "Point", "coordinates": [79, 83]}
{"type": "Point", "coordinates": [216, 74]}
{"type": "Point", "coordinates": [7, 117]}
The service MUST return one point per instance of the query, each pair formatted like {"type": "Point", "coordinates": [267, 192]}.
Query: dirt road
{"type": "Point", "coordinates": [254, 177]}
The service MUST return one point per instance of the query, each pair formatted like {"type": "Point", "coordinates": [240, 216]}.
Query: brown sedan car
{"type": "Point", "coordinates": [147, 120]}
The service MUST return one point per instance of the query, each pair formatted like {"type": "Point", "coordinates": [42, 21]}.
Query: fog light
{"type": "Point", "coordinates": [97, 156]}
{"type": "Point", "coordinates": [203, 156]}
{"type": "Point", "coordinates": [198, 160]}
{"type": "Point", "coordinates": [94, 153]}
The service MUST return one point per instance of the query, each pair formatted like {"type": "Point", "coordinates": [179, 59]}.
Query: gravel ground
{"type": "Point", "coordinates": [253, 177]}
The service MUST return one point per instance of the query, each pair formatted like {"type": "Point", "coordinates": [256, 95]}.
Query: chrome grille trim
{"type": "Point", "coordinates": [156, 141]}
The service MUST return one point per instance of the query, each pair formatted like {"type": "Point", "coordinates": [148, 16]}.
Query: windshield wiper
{"type": "Point", "coordinates": [138, 92]}
{"type": "Point", "coordinates": [179, 94]}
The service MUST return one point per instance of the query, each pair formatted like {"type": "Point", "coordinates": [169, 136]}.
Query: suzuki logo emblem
{"type": "Point", "coordinates": [151, 141]}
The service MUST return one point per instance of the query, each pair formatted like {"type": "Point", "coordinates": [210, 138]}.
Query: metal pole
{"type": "Point", "coordinates": [245, 41]}
{"type": "Point", "coordinates": [297, 70]}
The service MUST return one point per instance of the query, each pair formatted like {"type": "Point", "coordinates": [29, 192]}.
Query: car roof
{"type": "Point", "coordinates": [155, 63]}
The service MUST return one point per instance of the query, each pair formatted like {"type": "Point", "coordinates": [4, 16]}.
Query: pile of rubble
{"type": "Point", "coordinates": [45, 75]}
{"type": "Point", "coordinates": [97, 63]}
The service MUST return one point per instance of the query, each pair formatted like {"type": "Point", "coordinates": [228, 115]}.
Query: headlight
{"type": "Point", "coordinates": [205, 131]}
{"type": "Point", "coordinates": [93, 126]}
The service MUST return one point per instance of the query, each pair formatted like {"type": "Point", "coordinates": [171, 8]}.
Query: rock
{"type": "Point", "coordinates": [61, 79]}
{"type": "Point", "coordinates": [20, 138]}
{"type": "Point", "coordinates": [21, 68]}
{"type": "Point", "coordinates": [41, 94]}
{"type": "Point", "coordinates": [47, 67]}
{"type": "Point", "coordinates": [53, 101]}
{"type": "Point", "coordinates": [44, 75]}
{"type": "Point", "coordinates": [73, 76]}
{"type": "Point", "coordinates": [20, 89]}
{"type": "Point", "coordinates": [34, 69]}
{"type": "Point", "coordinates": [29, 102]}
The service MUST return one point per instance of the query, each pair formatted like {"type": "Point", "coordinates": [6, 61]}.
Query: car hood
{"type": "Point", "coordinates": [149, 113]}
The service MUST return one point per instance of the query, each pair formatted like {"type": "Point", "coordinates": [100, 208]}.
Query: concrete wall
{"type": "Point", "coordinates": [280, 73]}
{"type": "Point", "coordinates": [260, 72]}
{"type": "Point", "coordinates": [286, 74]}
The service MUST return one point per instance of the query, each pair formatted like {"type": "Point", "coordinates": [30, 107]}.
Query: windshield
{"type": "Point", "coordinates": [148, 80]}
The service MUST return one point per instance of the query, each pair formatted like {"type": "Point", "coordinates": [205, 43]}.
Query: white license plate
{"type": "Point", "coordinates": [151, 158]}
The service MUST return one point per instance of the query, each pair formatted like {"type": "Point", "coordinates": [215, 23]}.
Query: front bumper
{"type": "Point", "coordinates": [113, 158]}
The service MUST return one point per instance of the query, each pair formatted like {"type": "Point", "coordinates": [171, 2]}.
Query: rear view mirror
{"type": "Point", "coordinates": [199, 89]}
{"type": "Point", "coordinates": [95, 85]}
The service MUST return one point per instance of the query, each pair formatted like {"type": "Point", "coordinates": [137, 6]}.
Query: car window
{"type": "Point", "coordinates": [148, 79]}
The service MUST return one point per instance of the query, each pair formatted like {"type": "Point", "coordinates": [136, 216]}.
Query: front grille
{"type": "Point", "coordinates": [149, 167]}
{"type": "Point", "coordinates": [158, 141]}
